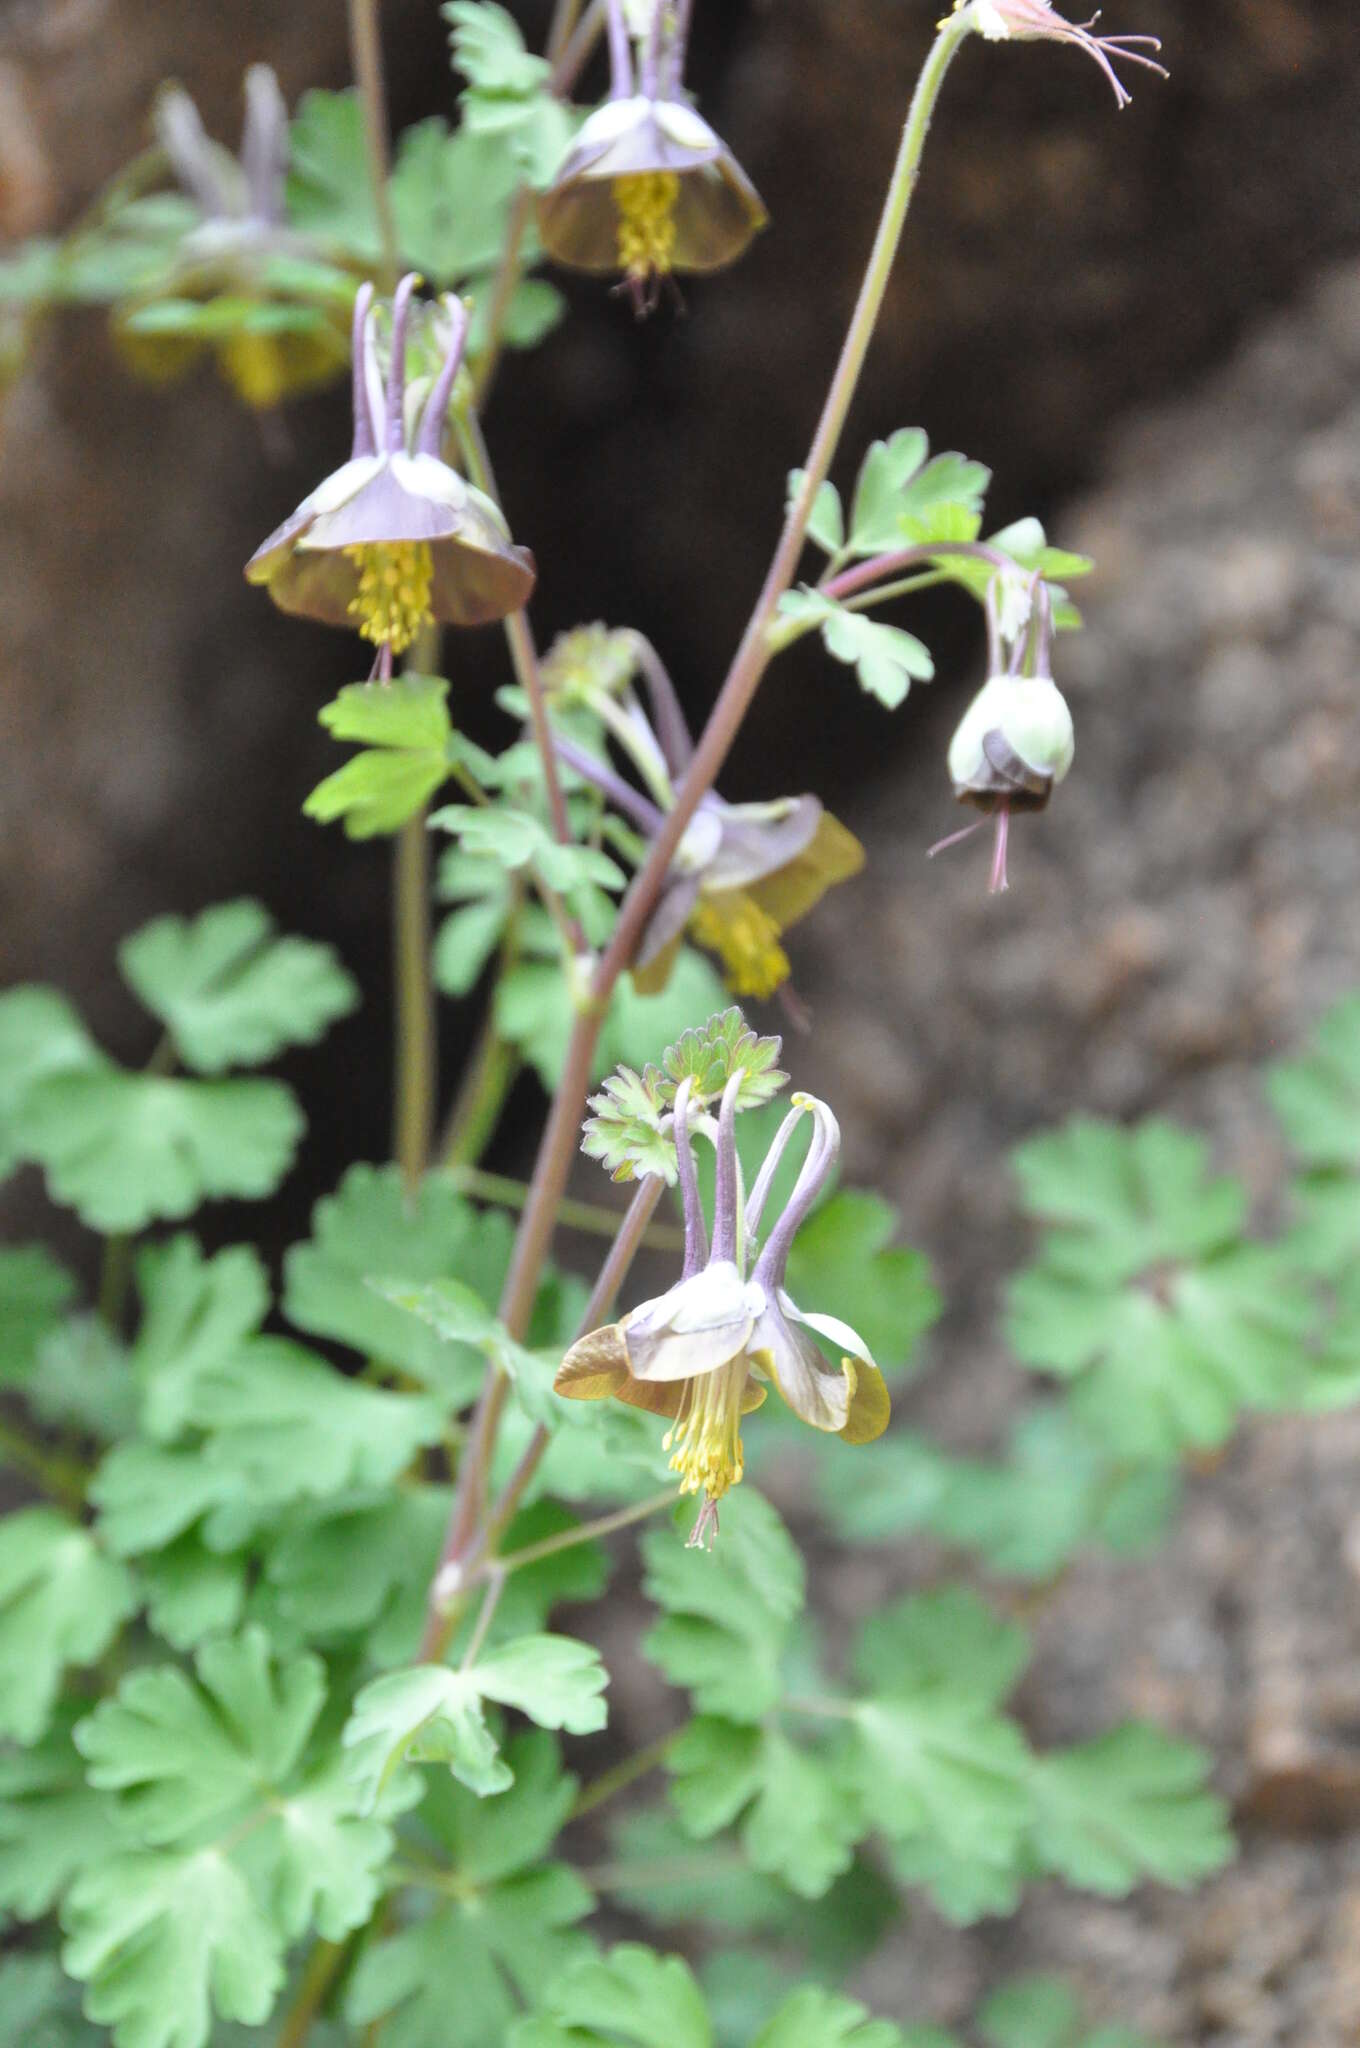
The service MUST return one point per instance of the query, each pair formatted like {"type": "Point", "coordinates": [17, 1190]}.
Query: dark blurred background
{"type": "Point", "coordinates": [1148, 325]}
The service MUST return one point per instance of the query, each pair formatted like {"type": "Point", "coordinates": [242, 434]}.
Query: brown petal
{"type": "Point", "coordinates": [595, 1367]}
{"type": "Point", "coordinates": [833, 855]}
{"type": "Point", "coordinates": [870, 1406]}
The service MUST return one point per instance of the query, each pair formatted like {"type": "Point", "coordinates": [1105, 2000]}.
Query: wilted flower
{"type": "Point", "coordinates": [703, 1352]}
{"type": "Point", "coordinates": [395, 539]}
{"type": "Point", "coordinates": [1036, 20]}
{"type": "Point", "coordinates": [647, 188]}
{"type": "Point", "coordinates": [239, 281]}
{"type": "Point", "coordinates": [742, 872]}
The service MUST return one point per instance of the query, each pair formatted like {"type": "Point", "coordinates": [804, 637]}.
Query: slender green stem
{"type": "Point", "coordinates": [115, 1273]}
{"type": "Point", "coordinates": [523, 652]}
{"type": "Point", "coordinates": [415, 1078]}
{"type": "Point", "coordinates": [502, 291]}
{"type": "Point", "coordinates": [365, 41]}
{"type": "Point", "coordinates": [320, 1972]}
{"type": "Point", "coordinates": [468, 1535]}
{"type": "Point", "coordinates": [584, 1532]}
{"type": "Point", "coordinates": [623, 1775]}
{"type": "Point", "coordinates": [491, 1600]}
{"type": "Point", "coordinates": [482, 1094]}
{"type": "Point", "coordinates": [60, 1477]}
{"type": "Point", "coordinates": [592, 1219]}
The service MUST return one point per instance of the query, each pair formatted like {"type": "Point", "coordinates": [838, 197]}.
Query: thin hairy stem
{"type": "Point", "coordinates": [61, 1478]}
{"type": "Point", "coordinates": [584, 1532]}
{"type": "Point", "coordinates": [467, 1537]}
{"type": "Point", "coordinates": [624, 1774]}
{"type": "Point", "coordinates": [319, 1974]}
{"type": "Point", "coordinates": [365, 41]}
{"type": "Point", "coordinates": [591, 1219]}
{"type": "Point", "coordinates": [523, 652]}
{"type": "Point", "coordinates": [415, 1081]}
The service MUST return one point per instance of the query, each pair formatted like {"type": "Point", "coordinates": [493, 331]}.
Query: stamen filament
{"type": "Point", "coordinates": [705, 1438]}
{"type": "Point", "coordinates": [392, 602]}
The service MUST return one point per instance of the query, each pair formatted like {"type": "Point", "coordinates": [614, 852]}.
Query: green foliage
{"type": "Point", "coordinates": [844, 1261]}
{"type": "Point", "coordinates": [232, 993]}
{"type": "Point", "coordinates": [1128, 1805]}
{"type": "Point", "coordinates": [631, 1996]}
{"type": "Point", "coordinates": [368, 1231]}
{"type": "Point", "coordinates": [62, 1601]}
{"type": "Point", "coordinates": [514, 840]}
{"type": "Point", "coordinates": [727, 1614]}
{"type": "Point", "coordinates": [34, 1292]}
{"type": "Point", "coordinates": [52, 1825]}
{"type": "Point", "coordinates": [887, 659]}
{"type": "Point", "coordinates": [1144, 1294]}
{"type": "Point", "coordinates": [1060, 1490]}
{"type": "Point", "coordinates": [433, 1715]}
{"type": "Point", "coordinates": [241, 1839]}
{"type": "Point", "coordinates": [1317, 1099]}
{"type": "Point", "coordinates": [507, 94]}
{"type": "Point", "coordinates": [1044, 2012]}
{"type": "Point", "coordinates": [39, 2008]}
{"type": "Point", "coordinates": [536, 1007]}
{"type": "Point", "coordinates": [505, 1925]}
{"type": "Point", "coordinates": [409, 750]}
{"type": "Point", "coordinates": [628, 1130]}
{"type": "Point", "coordinates": [802, 1819]}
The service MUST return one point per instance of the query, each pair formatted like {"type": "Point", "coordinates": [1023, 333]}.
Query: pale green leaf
{"type": "Point", "coordinates": [125, 1149]}
{"type": "Point", "coordinates": [1130, 1805]}
{"type": "Point", "coordinates": [196, 1313]}
{"type": "Point", "coordinates": [62, 1601]}
{"type": "Point", "coordinates": [728, 1612]}
{"type": "Point", "coordinates": [40, 1035]}
{"type": "Point", "coordinates": [232, 992]}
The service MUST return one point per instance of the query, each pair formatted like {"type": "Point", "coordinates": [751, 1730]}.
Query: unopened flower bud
{"type": "Point", "coordinates": [1013, 744]}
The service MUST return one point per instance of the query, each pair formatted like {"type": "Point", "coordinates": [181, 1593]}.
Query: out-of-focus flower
{"type": "Point", "coordinates": [743, 873]}
{"type": "Point", "coordinates": [395, 539]}
{"type": "Point", "coordinates": [702, 1353]}
{"type": "Point", "coordinates": [1037, 21]}
{"type": "Point", "coordinates": [240, 282]}
{"type": "Point", "coordinates": [647, 188]}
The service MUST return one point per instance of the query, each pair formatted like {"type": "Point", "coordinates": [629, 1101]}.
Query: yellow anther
{"type": "Point", "coordinates": [705, 1439]}
{"type": "Point", "coordinates": [392, 602]}
{"type": "Point", "coordinates": [646, 204]}
{"type": "Point", "coordinates": [733, 925]}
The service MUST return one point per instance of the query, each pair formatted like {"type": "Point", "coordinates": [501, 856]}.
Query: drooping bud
{"type": "Point", "coordinates": [1013, 745]}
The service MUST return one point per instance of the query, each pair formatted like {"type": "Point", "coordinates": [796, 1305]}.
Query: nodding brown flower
{"type": "Point", "coordinates": [647, 188]}
{"type": "Point", "coordinates": [395, 539]}
{"type": "Point", "coordinates": [1015, 742]}
{"type": "Point", "coordinates": [704, 1353]}
{"type": "Point", "coordinates": [1036, 20]}
{"type": "Point", "coordinates": [240, 281]}
{"type": "Point", "coordinates": [743, 873]}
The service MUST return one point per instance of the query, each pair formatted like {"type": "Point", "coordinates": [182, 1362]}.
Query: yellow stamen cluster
{"type": "Point", "coordinates": [733, 925]}
{"type": "Point", "coordinates": [392, 602]}
{"type": "Point", "coordinates": [705, 1438]}
{"type": "Point", "coordinates": [646, 204]}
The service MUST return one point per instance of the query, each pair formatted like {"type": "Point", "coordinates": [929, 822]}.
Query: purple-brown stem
{"type": "Point", "coordinates": [622, 795]}
{"type": "Point", "coordinates": [696, 1231]}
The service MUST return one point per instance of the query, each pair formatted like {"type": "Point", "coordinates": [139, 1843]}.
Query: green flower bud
{"type": "Point", "coordinates": [1013, 743]}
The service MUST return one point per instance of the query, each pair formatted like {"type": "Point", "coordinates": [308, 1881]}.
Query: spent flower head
{"type": "Point", "coordinates": [1037, 20]}
{"type": "Point", "coordinates": [647, 188]}
{"type": "Point", "coordinates": [395, 539]}
{"type": "Point", "coordinates": [742, 873]}
{"type": "Point", "coordinates": [704, 1353]}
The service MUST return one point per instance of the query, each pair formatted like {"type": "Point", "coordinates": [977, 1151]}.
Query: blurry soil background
{"type": "Point", "coordinates": [1149, 326]}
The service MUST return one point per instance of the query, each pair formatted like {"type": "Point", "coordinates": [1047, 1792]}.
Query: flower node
{"type": "Point", "coordinates": [392, 602]}
{"type": "Point", "coordinates": [646, 205]}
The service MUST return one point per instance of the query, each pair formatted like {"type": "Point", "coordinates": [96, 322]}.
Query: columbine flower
{"type": "Point", "coordinates": [647, 188]}
{"type": "Point", "coordinates": [273, 331]}
{"type": "Point", "coordinates": [742, 873]}
{"type": "Point", "coordinates": [701, 1353]}
{"type": "Point", "coordinates": [395, 540]}
{"type": "Point", "coordinates": [1014, 743]}
{"type": "Point", "coordinates": [1036, 20]}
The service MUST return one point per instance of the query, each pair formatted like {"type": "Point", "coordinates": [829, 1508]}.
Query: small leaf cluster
{"type": "Point", "coordinates": [907, 501]}
{"type": "Point", "coordinates": [628, 1130]}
